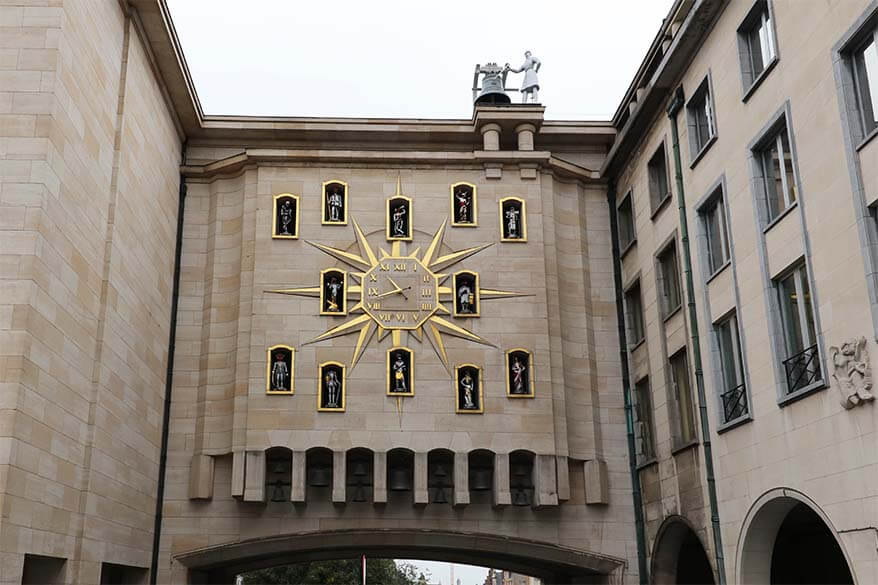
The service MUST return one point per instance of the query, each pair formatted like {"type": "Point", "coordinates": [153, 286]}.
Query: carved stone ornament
{"type": "Point", "coordinates": [852, 372]}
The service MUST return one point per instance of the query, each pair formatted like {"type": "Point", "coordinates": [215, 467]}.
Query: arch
{"type": "Point", "coordinates": [278, 474]}
{"type": "Point", "coordinates": [318, 473]}
{"type": "Point", "coordinates": [400, 471]}
{"type": "Point", "coordinates": [765, 534]}
{"type": "Point", "coordinates": [440, 476]}
{"type": "Point", "coordinates": [521, 477]}
{"type": "Point", "coordinates": [359, 472]}
{"type": "Point", "coordinates": [679, 557]}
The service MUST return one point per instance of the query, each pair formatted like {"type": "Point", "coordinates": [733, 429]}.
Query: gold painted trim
{"type": "Point", "coordinates": [344, 293]}
{"type": "Point", "coordinates": [522, 239]}
{"type": "Point", "coordinates": [389, 377]}
{"type": "Point", "coordinates": [530, 373]}
{"type": "Point", "coordinates": [344, 198]}
{"type": "Point", "coordinates": [274, 233]}
{"type": "Point", "coordinates": [343, 386]}
{"type": "Point", "coordinates": [457, 408]}
{"type": "Point", "coordinates": [475, 292]}
{"type": "Point", "coordinates": [411, 223]}
{"type": "Point", "coordinates": [292, 389]}
{"type": "Point", "coordinates": [475, 222]}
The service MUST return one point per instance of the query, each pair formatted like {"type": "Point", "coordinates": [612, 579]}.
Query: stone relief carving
{"type": "Point", "coordinates": [852, 371]}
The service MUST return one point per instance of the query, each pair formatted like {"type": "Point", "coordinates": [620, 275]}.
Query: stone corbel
{"type": "Point", "coordinates": [201, 477]}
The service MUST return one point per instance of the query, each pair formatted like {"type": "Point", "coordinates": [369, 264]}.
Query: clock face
{"type": "Point", "coordinates": [400, 292]}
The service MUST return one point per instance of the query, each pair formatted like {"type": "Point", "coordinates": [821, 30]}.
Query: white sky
{"type": "Point", "coordinates": [408, 59]}
{"type": "Point", "coordinates": [405, 59]}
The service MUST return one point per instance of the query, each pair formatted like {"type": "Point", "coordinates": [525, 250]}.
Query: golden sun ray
{"type": "Point", "coordinates": [348, 258]}
{"type": "Point", "coordinates": [452, 329]}
{"type": "Point", "coordinates": [438, 345]}
{"type": "Point", "coordinates": [304, 291]}
{"type": "Point", "coordinates": [343, 329]}
{"type": "Point", "coordinates": [366, 333]}
{"type": "Point", "coordinates": [435, 243]}
{"type": "Point", "coordinates": [449, 259]}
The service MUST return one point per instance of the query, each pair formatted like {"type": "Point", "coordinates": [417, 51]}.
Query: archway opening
{"type": "Point", "coordinates": [805, 552]}
{"type": "Point", "coordinates": [680, 558]}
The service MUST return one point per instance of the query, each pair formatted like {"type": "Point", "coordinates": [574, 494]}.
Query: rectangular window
{"type": "Point", "coordinates": [657, 168]}
{"type": "Point", "coordinates": [779, 179]}
{"type": "Point", "coordinates": [643, 431]}
{"type": "Point", "coordinates": [717, 235]}
{"type": "Point", "coordinates": [634, 309]}
{"type": "Point", "coordinates": [701, 119]}
{"type": "Point", "coordinates": [802, 360]}
{"type": "Point", "coordinates": [734, 392]}
{"type": "Point", "coordinates": [682, 394]}
{"type": "Point", "coordinates": [626, 223]}
{"type": "Point", "coordinates": [670, 281]}
{"type": "Point", "coordinates": [756, 42]}
{"type": "Point", "coordinates": [865, 61]}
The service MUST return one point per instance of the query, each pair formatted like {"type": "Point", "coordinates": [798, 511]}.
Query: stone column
{"type": "Point", "coordinates": [379, 478]}
{"type": "Point", "coordinates": [502, 497]}
{"type": "Point", "coordinates": [422, 496]}
{"type": "Point", "coordinates": [525, 134]}
{"type": "Point", "coordinates": [339, 477]}
{"type": "Point", "coordinates": [298, 481]}
{"type": "Point", "coordinates": [545, 490]}
{"type": "Point", "coordinates": [491, 136]}
{"type": "Point", "coordinates": [238, 474]}
{"type": "Point", "coordinates": [597, 488]}
{"type": "Point", "coordinates": [201, 477]}
{"type": "Point", "coordinates": [461, 479]}
{"type": "Point", "coordinates": [254, 476]}
{"type": "Point", "coordinates": [562, 471]}
{"type": "Point", "coordinates": [13, 568]}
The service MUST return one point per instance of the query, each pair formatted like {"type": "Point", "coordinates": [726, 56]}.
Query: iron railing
{"type": "Point", "coordinates": [734, 403]}
{"type": "Point", "coordinates": [803, 369]}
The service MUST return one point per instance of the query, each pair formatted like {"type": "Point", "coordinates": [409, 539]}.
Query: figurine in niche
{"type": "Point", "coordinates": [280, 373]}
{"type": "Point", "coordinates": [399, 221]}
{"type": "Point", "coordinates": [335, 204]}
{"type": "Point", "coordinates": [286, 214]}
{"type": "Point", "coordinates": [530, 86]}
{"type": "Point", "coordinates": [333, 288]}
{"type": "Point", "coordinates": [852, 371]}
{"type": "Point", "coordinates": [465, 298]}
{"type": "Point", "coordinates": [519, 373]}
{"type": "Point", "coordinates": [279, 369]}
{"type": "Point", "coordinates": [333, 387]}
{"type": "Point", "coordinates": [399, 370]}
{"type": "Point", "coordinates": [511, 214]}
{"type": "Point", "coordinates": [467, 384]}
{"type": "Point", "coordinates": [464, 198]}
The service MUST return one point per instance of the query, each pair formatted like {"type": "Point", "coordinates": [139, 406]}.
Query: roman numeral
{"type": "Point", "coordinates": [426, 306]}
{"type": "Point", "coordinates": [373, 278]}
{"type": "Point", "coordinates": [426, 292]}
{"type": "Point", "coordinates": [426, 278]}
{"type": "Point", "coordinates": [373, 291]}
{"type": "Point", "coordinates": [384, 316]}
{"type": "Point", "coordinates": [399, 267]}
{"type": "Point", "coordinates": [384, 267]}
{"type": "Point", "coordinates": [374, 306]}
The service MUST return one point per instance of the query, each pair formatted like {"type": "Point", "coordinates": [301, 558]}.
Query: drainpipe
{"type": "Point", "coordinates": [673, 108]}
{"type": "Point", "coordinates": [169, 379]}
{"type": "Point", "coordinates": [626, 389]}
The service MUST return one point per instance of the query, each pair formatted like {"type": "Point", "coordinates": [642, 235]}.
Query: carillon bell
{"type": "Point", "coordinates": [481, 479]}
{"type": "Point", "coordinates": [359, 474]}
{"type": "Point", "coordinates": [318, 476]}
{"type": "Point", "coordinates": [492, 90]}
{"type": "Point", "coordinates": [277, 494]}
{"type": "Point", "coordinates": [399, 479]}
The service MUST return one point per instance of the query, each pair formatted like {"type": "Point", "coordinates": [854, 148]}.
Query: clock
{"type": "Point", "coordinates": [400, 292]}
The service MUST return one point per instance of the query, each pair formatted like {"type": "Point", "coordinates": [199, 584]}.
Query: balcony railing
{"type": "Point", "coordinates": [803, 369]}
{"type": "Point", "coordinates": [734, 403]}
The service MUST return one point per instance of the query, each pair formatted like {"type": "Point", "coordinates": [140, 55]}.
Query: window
{"type": "Point", "coordinates": [865, 61]}
{"type": "Point", "coordinates": [802, 359]}
{"type": "Point", "coordinates": [657, 168]}
{"type": "Point", "coordinates": [701, 120]}
{"type": "Point", "coordinates": [756, 43]}
{"type": "Point", "coordinates": [733, 394]}
{"type": "Point", "coordinates": [682, 395]}
{"type": "Point", "coordinates": [634, 308]}
{"type": "Point", "coordinates": [717, 235]}
{"type": "Point", "coordinates": [626, 223]}
{"type": "Point", "coordinates": [643, 431]}
{"type": "Point", "coordinates": [670, 280]}
{"type": "Point", "coordinates": [776, 162]}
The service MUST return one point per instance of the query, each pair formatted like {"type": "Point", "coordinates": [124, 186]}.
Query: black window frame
{"type": "Point", "coordinates": [655, 169]}
{"type": "Point", "coordinates": [669, 283]}
{"type": "Point", "coordinates": [634, 314]}
{"type": "Point", "coordinates": [702, 100]}
{"type": "Point", "coordinates": [644, 419]}
{"type": "Point", "coordinates": [760, 16]}
{"type": "Point", "coordinates": [629, 225]}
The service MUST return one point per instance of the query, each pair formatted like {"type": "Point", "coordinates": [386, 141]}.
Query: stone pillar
{"type": "Point", "coordinates": [339, 477]}
{"type": "Point", "coordinates": [562, 471]}
{"type": "Point", "coordinates": [545, 490]}
{"type": "Point", "coordinates": [201, 471]}
{"type": "Point", "coordinates": [238, 474]}
{"type": "Point", "coordinates": [254, 476]}
{"type": "Point", "coordinates": [422, 496]}
{"type": "Point", "coordinates": [502, 497]}
{"type": "Point", "coordinates": [298, 481]}
{"type": "Point", "coordinates": [525, 134]}
{"type": "Point", "coordinates": [597, 489]}
{"type": "Point", "coordinates": [461, 479]}
{"type": "Point", "coordinates": [491, 136]}
{"type": "Point", "coordinates": [379, 478]}
{"type": "Point", "coordinates": [13, 568]}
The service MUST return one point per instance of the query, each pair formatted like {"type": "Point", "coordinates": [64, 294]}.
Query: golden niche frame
{"type": "Point", "coordinates": [288, 362]}
{"type": "Point", "coordinates": [391, 374]}
{"type": "Point", "coordinates": [476, 387]}
{"type": "Point", "coordinates": [507, 203]}
{"type": "Point", "coordinates": [388, 218]}
{"type": "Point", "coordinates": [277, 201]}
{"type": "Point", "coordinates": [327, 372]}
{"type": "Point", "coordinates": [326, 211]}
{"type": "Point", "coordinates": [474, 293]}
{"type": "Point", "coordinates": [474, 212]}
{"type": "Point", "coordinates": [324, 300]}
{"type": "Point", "coordinates": [528, 372]}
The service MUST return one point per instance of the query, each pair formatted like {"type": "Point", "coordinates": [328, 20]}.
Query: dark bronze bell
{"type": "Point", "coordinates": [277, 494]}
{"type": "Point", "coordinates": [359, 470]}
{"type": "Point", "coordinates": [399, 479]}
{"type": "Point", "coordinates": [481, 479]}
{"type": "Point", "coordinates": [520, 497]}
{"type": "Point", "coordinates": [318, 476]}
{"type": "Point", "coordinates": [492, 86]}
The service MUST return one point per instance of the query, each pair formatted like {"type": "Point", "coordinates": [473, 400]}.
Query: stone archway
{"type": "Point", "coordinates": [679, 557]}
{"type": "Point", "coordinates": [787, 539]}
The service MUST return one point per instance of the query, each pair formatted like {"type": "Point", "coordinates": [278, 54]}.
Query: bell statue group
{"type": "Point", "coordinates": [530, 86]}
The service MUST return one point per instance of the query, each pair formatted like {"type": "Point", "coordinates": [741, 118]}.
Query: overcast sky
{"type": "Point", "coordinates": [396, 59]}
{"type": "Point", "coordinates": [408, 59]}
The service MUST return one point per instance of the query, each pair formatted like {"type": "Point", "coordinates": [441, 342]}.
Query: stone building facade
{"type": "Point", "coordinates": [662, 374]}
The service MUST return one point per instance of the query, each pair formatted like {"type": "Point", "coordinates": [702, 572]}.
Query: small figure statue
{"type": "Point", "coordinates": [463, 203]}
{"type": "Point", "coordinates": [332, 389]}
{"type": "Point", "coordinates": [465, 296]}
{"type": "Point", "coordinates": [852, 372]}
{"type": "Point", "coordinates": [333, 287]}
{"type": "Point", "coordinates": [512, 222]}
{"type": "Point", "coordinates": [468, 386]}
{"type": "Point", "coordinates": [335, 203]}
{"type": "Point", "coordinates": [286, 217]}
{"type": "Point", "coordinates": [518, 370]}
{"type": "Point", "coordinates": [530, 87]}
{"type": "Point", "coordinates": [399, 375]}
{"type": "Point", "coordinates": [399, 221]}
{"type": "Point", "coordinates": [279, 373]}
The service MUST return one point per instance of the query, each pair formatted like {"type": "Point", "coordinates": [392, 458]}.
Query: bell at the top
{"type": "Point", "coordinates": [493, 85]}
